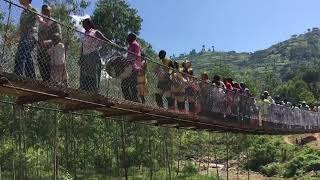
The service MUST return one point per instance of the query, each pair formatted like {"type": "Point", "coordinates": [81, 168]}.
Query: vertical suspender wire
{"type": "Point", "coordinates": [167, 155]}
{"type": "Point", "coordinates": [179, 150]}
{"type": "Point", "coordinates": [150, 153]}
{"type": "Point", "coordinates": [20, 176]}
{"type": "Point", "coordinates": [247, 149]}
{"type": "Point", "coordinates": [208, 158]}
{"type": "Point", "coordinates": [216, 162]}
{"type": "Point", "coordinates": [238, 158]}
{"type": "Point", "coordinates": [74, 148]}
{"type": "Point", "coordinates": [227, 155]}
{"type": "Point", "coordinates": [55, 163]}
{"type": "Point", "coordinates": [124, 153]}
{"type": "Point", "coordinates": [5, 37]}
{"type": "Point", "coordinates": [15, 137]}
{"type": "Point", "coordinates": [2, 106]}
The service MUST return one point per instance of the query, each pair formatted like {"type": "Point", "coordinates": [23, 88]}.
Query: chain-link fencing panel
{"type": "Point", "coordinates": [54, 54]}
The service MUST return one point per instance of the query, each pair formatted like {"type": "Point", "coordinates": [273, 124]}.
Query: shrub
{"type": "Point", "coordinates": [262, 152]}
{"type": "Point", "coordinates": [313, 165]}
{"type": "Point", "coordinates": [271, 169]}
{"type": "Point", "coordinates": [190, 169]}
{"type": "Point", "coordinates": [305, 162]}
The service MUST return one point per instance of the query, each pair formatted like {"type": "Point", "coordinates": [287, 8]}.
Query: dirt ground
{"type": "Point", "coordinates": [291, 139]}
{"type": "Point", "coordinates": [243, 175]}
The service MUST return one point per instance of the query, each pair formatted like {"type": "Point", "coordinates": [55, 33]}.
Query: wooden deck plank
{"type": "Point", "coordinates": [118, 113]}
{"type": "Point", "coordinates": [79, 107]}
{"type": "Point", "coordinates": [167, 122]}
{"type": "Point", "coordinates": [144, 118]}
{"type": "Point", "coordinates": [40, 97]}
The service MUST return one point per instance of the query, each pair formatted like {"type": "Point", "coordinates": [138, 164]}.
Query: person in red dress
{"type": "Point", "coordinates": [229, 96]}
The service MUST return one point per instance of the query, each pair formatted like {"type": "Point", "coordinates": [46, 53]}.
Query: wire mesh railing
{"type": "Point", "coordinates": [34, 46]}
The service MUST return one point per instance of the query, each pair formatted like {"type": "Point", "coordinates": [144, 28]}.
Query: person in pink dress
{"type": "Point", "coordinates": [229, 96]}
{"type": "Point", "coordinates": [134, 59]}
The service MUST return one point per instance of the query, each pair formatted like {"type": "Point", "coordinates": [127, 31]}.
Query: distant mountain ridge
{"type": "Point", "coordinates": [282, 57]}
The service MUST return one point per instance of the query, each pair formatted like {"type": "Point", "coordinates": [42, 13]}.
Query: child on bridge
{"type": "Point", "coordinates": [59, 73]}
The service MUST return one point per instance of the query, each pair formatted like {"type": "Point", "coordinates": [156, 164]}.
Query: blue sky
{"type": "Point", "coordinates": [242, 25]}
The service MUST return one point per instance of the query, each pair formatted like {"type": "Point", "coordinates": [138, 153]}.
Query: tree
{"type": "Point", "coordinates": [115, 18]}
{"type": "Point", "coordinates": [296, 91]}
{"type": "Point", "coordinates": [68, 6]}
{"type": "Point", "coordinates": [223, 70]}
{"type": "Point", "coordinates": [311, 76]}
{"type": "Point", "coordinates": [271, 81]}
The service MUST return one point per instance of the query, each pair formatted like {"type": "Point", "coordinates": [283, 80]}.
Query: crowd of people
{"type": "Point", "coordinates": [183, 91]}
{"type": "Point", "coordinates": [177, 87]}
{"type": "Point", "coordinates": [44, 35]}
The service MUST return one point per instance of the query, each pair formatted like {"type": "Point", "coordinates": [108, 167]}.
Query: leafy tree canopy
{"type": "Point", "coordinates": [116, 19]}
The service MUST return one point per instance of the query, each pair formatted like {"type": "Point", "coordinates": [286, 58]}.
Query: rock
{"type": "Point", "coordinates": [213, 165]}
{"type": "Point", "coordinates": [307, 140]}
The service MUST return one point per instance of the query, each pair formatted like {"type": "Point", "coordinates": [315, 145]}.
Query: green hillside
{"type": "Point", "coordinates": [290, 68]}
{"type": "Point", "coordinates": [299, 50]}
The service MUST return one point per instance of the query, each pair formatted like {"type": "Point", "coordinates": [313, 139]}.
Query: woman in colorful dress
{"type": "Point", "coordinates": [129, 84]}
{"type": "Point", "coordinates": [142, 85]}
{"type": "Point", "coordinates": [178, 88]}
{"type": "Point", "coordinates": [163, 72]}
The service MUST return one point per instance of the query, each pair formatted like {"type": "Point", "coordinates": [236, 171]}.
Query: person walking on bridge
{"type": "Point", "coordinates": [142, 81]}
{"type": "Point", "coordinates": [134, 59]}
{"type": "Point", "coordinates": [59, 75]}
{"type": "Point", "coordinates": [205, 85]}
{"type": "Point", "coordinates": [46, 34]}
{"type": "Point", "coordinates": [164, 74]}
{"type": "Point", "coordinates": [28, 37]}
{"type": "Point", "coordinates": [90, 60]}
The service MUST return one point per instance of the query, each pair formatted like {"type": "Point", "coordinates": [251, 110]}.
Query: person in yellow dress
{"type": "Point", "coordinates": [142, 84]}
{"type": "Point", "coordinates": [163, 73]}
{"type": "Point", "coordinates": [178, 87]}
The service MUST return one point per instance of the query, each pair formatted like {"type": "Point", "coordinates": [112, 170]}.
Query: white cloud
{"type": "Point", "coordinates": [77, 21]}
